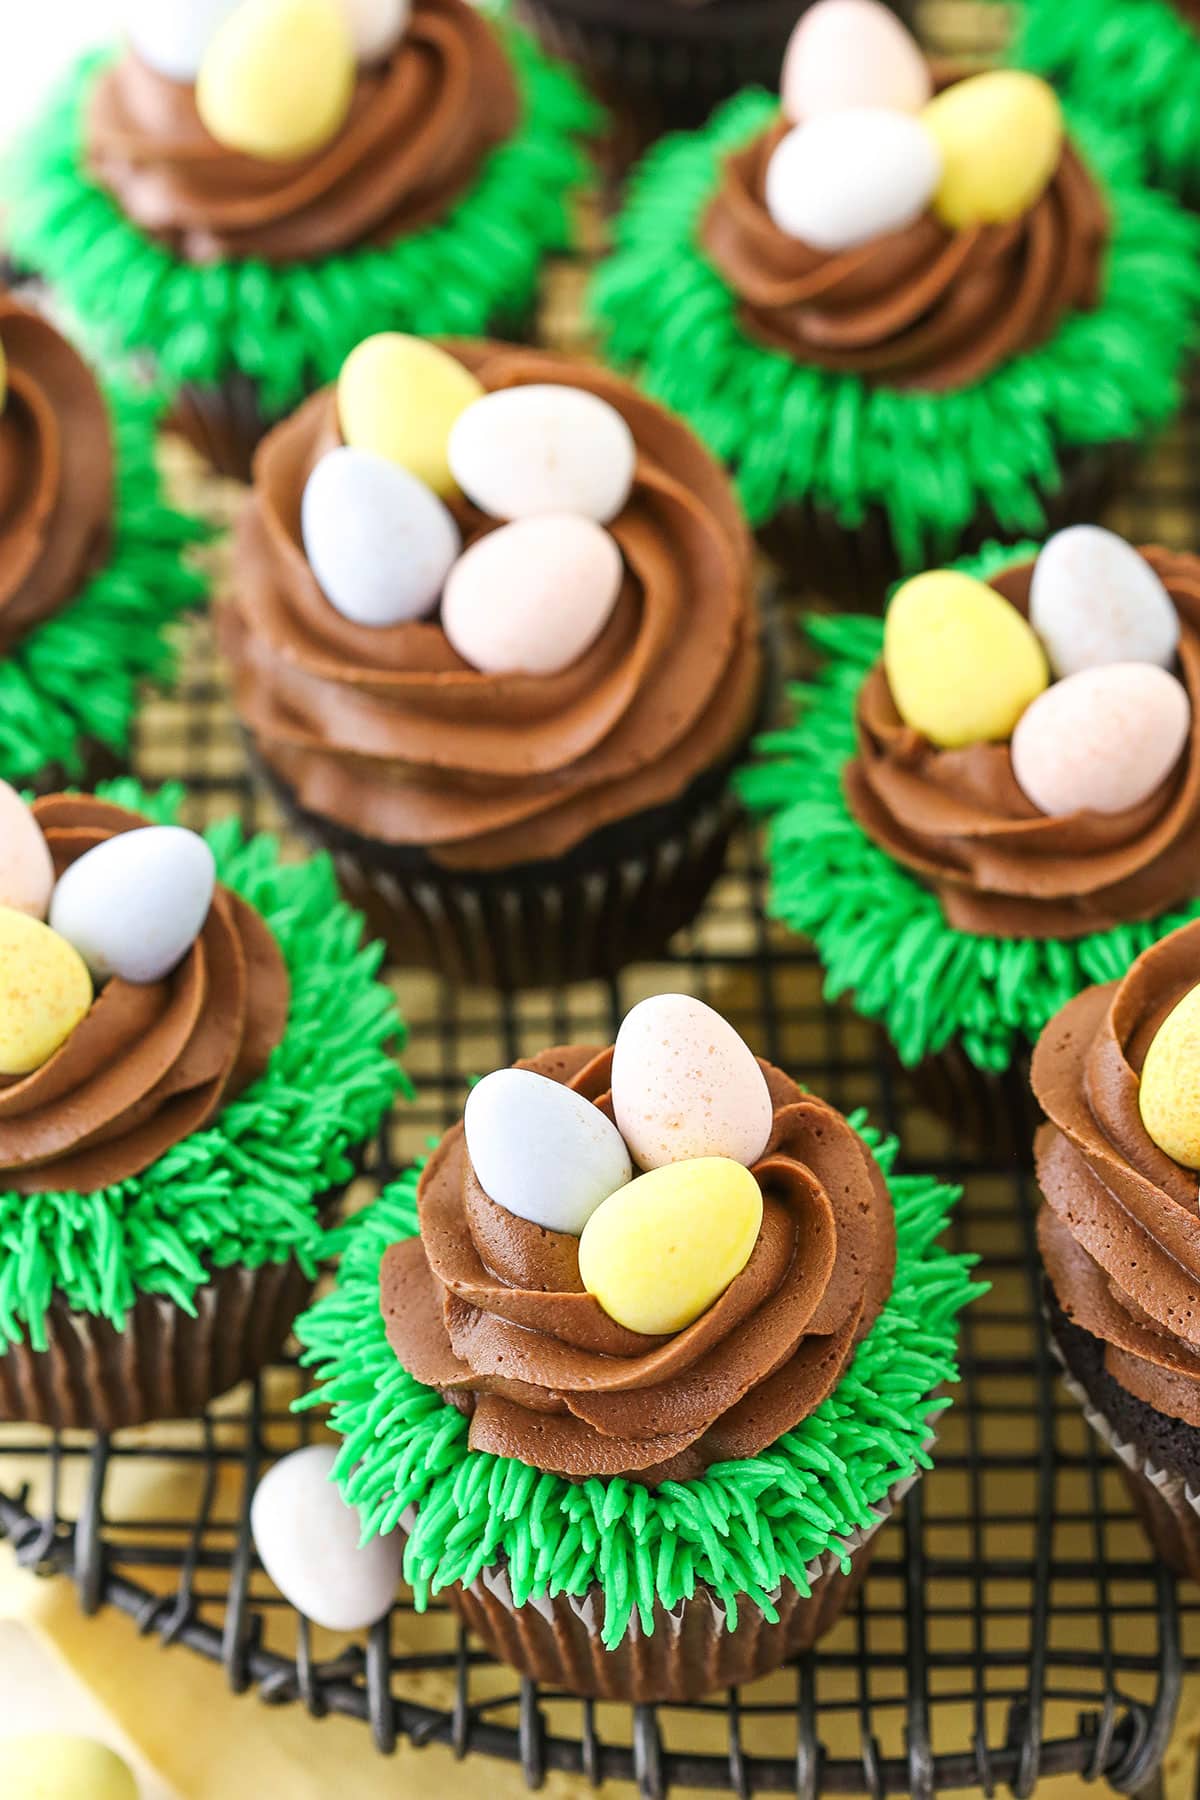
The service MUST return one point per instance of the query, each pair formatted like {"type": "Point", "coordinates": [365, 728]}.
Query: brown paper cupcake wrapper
{"type": "Point", "coordinates": [99, 763]}
{"type": "Point", "coordinates": [993, 1117]}
{"type": "Point", "coordinates": [224, 424]}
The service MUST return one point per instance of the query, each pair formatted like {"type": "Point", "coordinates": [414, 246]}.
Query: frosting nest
{"type": "Point", "coordinates": [418, 131]}
{"type": "Point", "coordinates": [390, 734]}
{"type": "Point", "coordinates": [490, 1309]}
{"type": "Point", "coordinates": [150, 1064]}
{"type": "Point", "coordinates": [959, 820]}
{"type": "Point", "coordinates": [1119, 1231]}
{"type": "Point", "coordinates": [56, 473]}
{"type": "Point", "coordinates": [923, 307]}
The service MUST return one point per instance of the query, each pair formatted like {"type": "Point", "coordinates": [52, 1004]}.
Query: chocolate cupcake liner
{"type": "Point", "coordinates": [993, 1115]}
{"type": "Point", "coordinates": [224, 424]}
{"type": "Point", "coordinates": [98, 762]}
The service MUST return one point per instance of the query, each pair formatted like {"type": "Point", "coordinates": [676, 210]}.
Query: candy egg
{"type": "Point", "coordinates": [852, 53]}
{"type": "Point", "coordinates": [136, 904]}
{"type": "Point", "coordinates": [379, 542]}
{"type": "Point", "coordinates": [172, 36]}
{"type": "Point", "coordinates": [532, 596]}
{"type": "Point", "coordinates": [1000, 136]}
{"type": "Point", "coordinates": [26, 866]}
{"type": "Point", "coordinates": [1101, 741]}
{"type": "Point", "coordinates": [309, 1542]}
{"type": "Point", "coordinates": [541, 1150]}
{"type": "Point", "coordinates": [657, 1253]}
{"type": "Point", "coordinates": [961, 662]}
{"type": "Point", "coordinates": [544, 449]}
{"type": "Point", "coordinates": [1094, 600]}
{"type": "Point", "coordinates": [50, 1765]}
{"type": "Point", "coordinates": [45, 990]}
{"type": "Point", "coordinates": [399, 397]}
{"type": "Point", "coordinates": [1169, 1095]}
{"type": "Point", "coordinates": [277, 78]}
{"type": "Point", "coordinates": [376, 26]}
{"type": "Point", "coordinates": [846, 177]}
{"type": "Point", "coordinates": [685, 1085]}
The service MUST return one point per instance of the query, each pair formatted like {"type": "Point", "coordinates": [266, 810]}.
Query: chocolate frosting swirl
{"type": "Point", "coordinates": [922, 307]}
{"type": "Point", "coordinates": [1000, 868]}
{"type": "Point", "coordinates": [391, 734]}
{"type": "Point", "coordinates": [150, 1064]}
{"type": "Point", "coordinates": [56, 473]}
{"type": "Point", "coordinates": [490, 1309]}
{"type": "Point", "coordinates": [419, 128]}
{"type": "Point", "coordinates": [1120, 1228]}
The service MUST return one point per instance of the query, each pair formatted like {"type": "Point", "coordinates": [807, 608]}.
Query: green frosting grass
{"type": "Point", "coordinates": [290, 327]}
{"type": "Point", "coordinates": [1135, 63]}
{"type": "Point", "coordinates": [742, 1529]}
{"type": "Point", "coordinates": [242, 1190]}
{"type": "Point", "coordinates": [932, 462]}
{"type": "Point", "coordinates": [879, 931]}
{"type": "Point", "coordinates": [75, 678]}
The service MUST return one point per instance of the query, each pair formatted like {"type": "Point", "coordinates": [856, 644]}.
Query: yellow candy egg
{"type": "Point", "coordinates": [277, 79]}
{"type": "Point", "coordinates": [48, 1765]}
{"type": "Point", "coordinates": [1000, 135]}
{"type": "Point", "coordinates": [398, 396]}
{"type": "Point", "coordinates": [45, 990]}
{"type": "Point", "coordinates": [658, 1252]}
{"type": "Point", "coordinates": [1170, 1093]}
{"type": "Point", "coordinates": [961, 662]}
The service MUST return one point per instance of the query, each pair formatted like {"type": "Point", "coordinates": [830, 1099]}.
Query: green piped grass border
{"type": "Point", "coordinates": [879, 931]}
{"type": "Point", "coordinates": [290, 327]}
{"type": "Point", "coordinates": [74, 680]}
{"type": "Point", "coordinates": [1135, 63]}
{"type": "Point", "coordinates": [933, 462]}
{"type": "Point", "coordinates": [242, 1191]}
{"type": "Point", "coordinates": [741, 1530]}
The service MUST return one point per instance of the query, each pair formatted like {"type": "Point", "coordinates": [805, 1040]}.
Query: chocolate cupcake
{"type": "Point", "coordinates": [1118, 1230]}
{"type": "Point", "coordinates": [521, 758]}
{"type": "Point", "coordinates": [193, 1052]}
{"type": "Point", "coordinates": [901, 340]}
{"type": "Point", "coordinates": [417, 178]}
{"type": "Point", "coordinates": [93, 565]}
{"type": "Point", "coordinates": [642, 1427]}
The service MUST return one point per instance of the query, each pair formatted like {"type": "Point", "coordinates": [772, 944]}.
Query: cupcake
{"type": "Point", "coordinates": [1134, 64]}
{"type": "Point", "coordinates": [516, 788]}
{"type": "Point", "coordinates": [907, 324]}
{"type": "Point", "coordinates": [92, 562]}
{"type": "Point", "coordinates": [992, 799]}
{"type": "Point", "coordinates": [642, 1360]}
{"type": "Point", "coordinates": [1114, 1073]}
{"type": "Point", "coordinates": [193, 1053]}
{"type": "Point", "coordinates": [247, 188]}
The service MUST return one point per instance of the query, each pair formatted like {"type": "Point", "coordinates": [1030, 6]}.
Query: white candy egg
{"type": "Point", "coordinates": [1095, 600]}
{"type": "Point", "coordinates": [376, 26]}
{"type": "Point", "coordinates": [379, 542]}
{"type": "Point", "coordinates": [544, 449]}
{"type": "Point", "coordinates": [846, 177]}
{"type": "Point", "coordinates": [685, 1085]}
{"type": "Point", "coordinates": [847, 53]}
{"type": "Point", "coordinates": [309, 1542]}
{"type": "Point", "coordinates": [1102, 740]}
{"type": "Point", "coordinates": [172, 36]}
{"type": "Point", "coordinates": [542, 1151]}
{"type": "Point", "coordinates": [532, 596]}
{"type": "Point", "coordinates": [26, 866]}
{"type": "Point", "coordinates": [135, 905]}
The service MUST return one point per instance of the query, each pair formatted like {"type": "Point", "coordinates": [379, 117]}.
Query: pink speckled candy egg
{"type": "Point", "coordinates": [26, 868]}
{"type": "Point", "coordinates": [1094, 599]}
{"type": "Point", "coordinates": [685, 1085]}
{"type": "Point", "coordinates": [852, 53]}
{"type": "Point", "coordinates": [1102, 740]}
{"type": "Point", "coordinates": [531, 597]}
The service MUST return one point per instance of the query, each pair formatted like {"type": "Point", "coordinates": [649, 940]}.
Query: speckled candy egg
{"type": "Point", "coordinates": [379, 542]}
{"type": "Point", "coordinates": [398, 397]}
{"type": "Point", "coordinates": [544, 448]}
{"type": "Point", "coordinates": [1169, 1094]}
{"type": "Point", "coordinates": [172, 36]}
{"type": "Point", "coordinates": [135, 904]}
{"type": "Point", "coordinates": [685, 1085]}
{"type": "Point", "coordinates": [26, 866]}
{"type": "Point", "coordinates": [531, 597]}
{"type": "Point", "coordinates": [1101, 741]}
{"type": "Point", "coordinates": [309, 1542]}
{"type": "Point", "coordinates": [844, 178]}
{"type": "Point", "coordinates": [541, 1150]}
{"type": "Point", "coordinates": [847, 53]}
{"type": "Point", "coordinates": [45, 990]}
{"type": "Point", "coordinates": [1000, 137]}
{"type": "Point", "coordinates": [376, 26]}
{"type": "Point", "coordinates": [52, 1765]}
{"type": "Point", "coordinates": [277, 78]}
{"type": "Point", "coordinates": [962, 664]}
{"type": "Point", "coordinates": [1095, 600]}
{"type": "Point", "coordinates": [660, 1251]}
